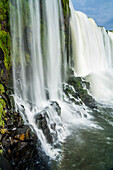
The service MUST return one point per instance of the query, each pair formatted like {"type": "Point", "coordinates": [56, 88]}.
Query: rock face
{"type": "Point", "coordinates": [21, 150]}
{"type": "Point", "coordinates": [19, 145]}
{"type": "Point", "coordinates": [43, 122]}
{"type": "Point", "coordinates": [1, 56]}
{"type": "Point", "coordinates": [4, 163]}
{"type": "Point", "coordinates": [5, 46]}
{"type": "Point", "coordinates": [77, 89]}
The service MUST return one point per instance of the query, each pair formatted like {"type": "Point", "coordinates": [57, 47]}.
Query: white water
{"type": "Point", "coordinates": [38, 73]}
{"type": "Point", "coordinates": [92, 50]}
{"type": "Point", "coordinates": [44, 71]}
{"type": "Point", "coordinates": [37, 76]}
{"type": "Point", "coordinates": [37, 64]}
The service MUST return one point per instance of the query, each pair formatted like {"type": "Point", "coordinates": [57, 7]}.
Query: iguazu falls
{"type": "Point", "coordinates": [56, 86]}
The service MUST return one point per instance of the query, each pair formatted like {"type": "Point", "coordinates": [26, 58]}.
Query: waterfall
{"type": "Point", "coordinates": [37, 73]}
{"type": "Point", "coordinates": [39, 70]}
{"type": "Point", "coordinates": [40, 65]}
{"type": "Point", "coordinates": [92, 49]}
{"type": "Point", "coordinates": [38, 49]}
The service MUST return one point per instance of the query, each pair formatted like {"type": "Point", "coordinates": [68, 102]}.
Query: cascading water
{"type": "Point", "coordinates": [92, 50]}
{"type": "Point", "coordinates": [37, 56]}
{"type": "Point", "coordinates": [39, 69]}
{"type": "Point", "coordinates": [38, 50]}
{"type": "Point", "coordinates": [35, 69]}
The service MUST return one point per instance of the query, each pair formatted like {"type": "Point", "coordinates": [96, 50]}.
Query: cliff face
{"type": "Point", "coordinates": [67, 14]}
{"type": "Point", "coordinates": [11, 123]}
{"type": "Point", "coordinates": [5, 59]}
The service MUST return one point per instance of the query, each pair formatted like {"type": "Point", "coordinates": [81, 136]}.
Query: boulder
{"type": "Point", "coordinates": [42, 122]}
{"type": "Point", "coordinates": [19, 145]}
{"type": "Point", "coordinates": [79, 92]}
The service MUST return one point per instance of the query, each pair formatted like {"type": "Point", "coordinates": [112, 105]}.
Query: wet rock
{"type": "Point", "coordinates": [19, 145]}
{"type": "Point", "coordinates": [39, 117]}
{"type": "Point", "coordinates": [70, 72]}
{"type": "Point", "coordinates": [56, 107]}
{"type": "Point", "coordinates": [6, 141]}
{"type": "Point", "coordinates": [4, 164]}
{"type": "Point", "coordinates": [53, 126]}
{"type": "Point", "coordinates": [9, 123]}
{"type": "Point", "coordinates": [79, 92]}
{"type": "Point", "coordinates": [0, 137]}
{"type": "Point", "coordinates": [43, 123]}
{"type": "Point", "coordinates": [48, 135]}
{"type": "Point", "coordinates": [71, 94]}
{"type": "Point", "coordinates": [85, 115]}
{"type": "Point", "coordinates": [1, 56]}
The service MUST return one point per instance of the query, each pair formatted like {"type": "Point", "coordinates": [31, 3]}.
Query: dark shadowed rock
{"type": "Point", "coordinates": [42, 120]}
{"type": "Point", "coordinates": [20, 146]}
{"type": "Point", "coordinates": [4, 164]}
{"type": "Point", "coordinates": [1, 56]}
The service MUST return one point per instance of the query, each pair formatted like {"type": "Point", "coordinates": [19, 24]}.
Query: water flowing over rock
{"type": "Point", "coordinates": [48, 127]}
{"type": "Point", "coordinates": [39, 64]}
{"type": "Point", "coordinates": [51, 73]}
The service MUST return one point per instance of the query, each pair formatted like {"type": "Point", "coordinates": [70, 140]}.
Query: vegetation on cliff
{"type": "Point", "coordinates": [4, 32]}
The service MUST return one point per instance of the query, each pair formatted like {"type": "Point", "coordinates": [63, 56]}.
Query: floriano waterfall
{"type": "Point", "coordinates": [40, 67]}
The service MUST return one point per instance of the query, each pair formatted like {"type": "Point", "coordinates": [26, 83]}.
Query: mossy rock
{"type": "Point", "coordinates": [2, 90]}
{"type": "Point", "coordinates": [66, 9]}
{"type": "Point", "coordinates": [5, 46]}
{"type": "Point", "coordinates": [4, 15]}
{"type": "Point", "coordinates": [2, 112]}
{"type": "Point", "coordinates": [6, 106]}
{"type": "Point", "coordinates": [5, 57]}
{"type": "Point", "coordinates": [71, 94]}
{"type": "Point", "coordinates": [77, 87]}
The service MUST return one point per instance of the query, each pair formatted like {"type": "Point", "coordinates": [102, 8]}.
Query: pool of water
{"type": "Point", "coordinates": [89, 146]}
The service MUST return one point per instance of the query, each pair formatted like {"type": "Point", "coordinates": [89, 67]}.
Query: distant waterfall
{"type": "Point", "coordinates": [92, 51]}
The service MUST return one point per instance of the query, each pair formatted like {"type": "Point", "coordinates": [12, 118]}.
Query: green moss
{"type": "Point", "coordinates": [2, 107]}
{"type": "Point", "coordinates": [5, 46]}
{"type": "Point", "coordinates": [77, 90]}
{"type": "Point", "coordinates": [4, 14]}
{"type": "Point", "coordinates": [1, 151]}
{"type": "Point", "coordinates": [1, 89]}
{"type": "Point", "coordinates": [1, 72]}
{"type": "Point", "coordinates": [4, 32]}
{"type": "Point", "coordinates": [2, 112]}
{"type": "Point", "coordinates": [66, 9]}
